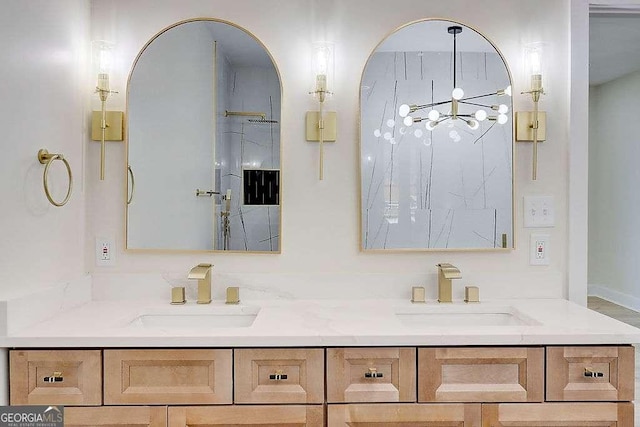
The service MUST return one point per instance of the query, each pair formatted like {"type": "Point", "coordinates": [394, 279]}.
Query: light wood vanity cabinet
{"type": "Point", "coordinates": [108, 416]}
{"type": "Point", "coordinates": [371, 375]}
{"type": "Point", "coordinates": [277, 375]}
{"type": "Point", "coordinates": [409, 415]}
{"type": "Point", "coordinates": [247, 415]}
{"type": "Point", "coordinates": [481, 374]}
{"type": "Point", "coordinates": [55, 377]}
{"type": "Point", "coordinates": [134, 377]}
{"type": "Point", "coordinates": [384, 386]}
{"type": "Point", "coordinates": [558, 414]}
{"type": "Point", "coordinates": [590, 373]}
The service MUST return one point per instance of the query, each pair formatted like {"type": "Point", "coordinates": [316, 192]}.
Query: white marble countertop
{"type": "Point", "coordinates": [299, 323]}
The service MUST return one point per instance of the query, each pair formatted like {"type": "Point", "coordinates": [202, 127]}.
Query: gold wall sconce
{"type": "Point", "coordinates": [105, 125]}
{"type": "Point", "coordinates": [531, 125]}
{"type": "Point", "coordinates": [321, 127]}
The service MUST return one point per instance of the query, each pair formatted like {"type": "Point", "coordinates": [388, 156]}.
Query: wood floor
{"type": "Point", "coordinates": [627, 316]}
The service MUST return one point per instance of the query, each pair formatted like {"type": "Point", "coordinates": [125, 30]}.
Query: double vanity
{"type": "Point", "coordinates": [328, 362]}
{"type": "Point", "coordinates": [322, 362]}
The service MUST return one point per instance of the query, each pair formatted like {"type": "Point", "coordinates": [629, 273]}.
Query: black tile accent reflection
{"type": "Point", "coordinates": [261, 187]}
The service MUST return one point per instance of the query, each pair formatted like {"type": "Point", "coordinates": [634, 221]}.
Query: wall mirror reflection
{"type": "Point", "coordinates": [204, 142]}
{"type": "Point", "coordinates": [436, 142]}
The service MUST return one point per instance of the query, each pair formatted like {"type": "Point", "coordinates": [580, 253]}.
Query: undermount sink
{"type": "Point", "coordinates": [198, 319]}
{"type": "Point", "coordinates": [463, 316]}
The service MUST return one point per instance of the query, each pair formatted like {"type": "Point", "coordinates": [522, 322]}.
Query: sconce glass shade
{"type": "Point", "coordinates": [534, 64]}
{"type": "Point", "coordinates": [102, 61]}
{"type": "Point", "coordinates": [323, 68]}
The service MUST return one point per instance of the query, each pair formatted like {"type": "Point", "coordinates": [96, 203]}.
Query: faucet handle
{"type": "Point", "coordinates": [233, 295]}
{"type": "Point", "coordinates": [177, 295]}
{"type": "Point", "coordinates": [417, 294]}
{"type": "Point", "coordinates": [471, 294]}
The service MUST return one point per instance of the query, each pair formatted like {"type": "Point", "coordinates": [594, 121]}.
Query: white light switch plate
{"type": "Point", "coordinates": [539, 212]}
{"type": "Point", "coordinates": [539, 251]}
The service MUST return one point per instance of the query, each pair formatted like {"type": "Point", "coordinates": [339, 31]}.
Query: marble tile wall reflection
{"type": "Point", "coordinates": [247, 144]}
{"type": "Point", "coordinates": [449, 188]}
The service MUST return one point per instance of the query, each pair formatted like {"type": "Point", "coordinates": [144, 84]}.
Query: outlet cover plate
{"type": "Point", "coordinates": [105, 251]}
{"type": "Point", "coordinates": [539, 251]}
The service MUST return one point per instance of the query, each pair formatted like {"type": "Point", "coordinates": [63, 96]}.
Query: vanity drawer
{"type": "Point", "coordinates": [405, 414]}
{"type": "Point", "coordinates": [279, 375]}
{"type": "Point", "coordinates": [110, 416]}
{"type": "Point", "coordinates": [247, 415]}
{"type": "Point", "coordinates": [371, 375]}
{"type": "Point", "coordinates": [481, 374]}
{"type": "Point", "coordinates": [167, 377]}
{"type": "Point", "coordinates": [558, 414]}
{"type": "Point", "coordinates": [55, 377]}
{"type": "Point", "coordinates": [590, 373]}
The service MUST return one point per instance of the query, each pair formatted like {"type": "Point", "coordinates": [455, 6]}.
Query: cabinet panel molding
{"type": "Point", "coordinates": [590, 373]}
{"type": "Point", "coordinates": [405, 414]}
{"type": "Point", "coordinates": [371, 375]}
{"type": "Point", "coordinates": [247, 415]}
{"type": "Point", "coordinates": [558, 414]}
{"type": "Point", "coordinates": [167, 377]}
{"type": "Point", "coordinates": [279, 375]}
{"type": "Point", "coordinates": [55, 377]}
{"type": "Point", "coordinates": [481, 374]}
{"type": "Point", "coordinates": [138, 416]}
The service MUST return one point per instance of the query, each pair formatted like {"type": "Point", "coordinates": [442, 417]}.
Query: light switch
{"type": "Point", "coordinates": [539, 212]}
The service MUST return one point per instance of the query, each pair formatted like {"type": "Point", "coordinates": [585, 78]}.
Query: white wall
{"type": "Point", "coordinates": [614, 200]}
{"type": "Point", "coordinates": [320, 218]}
{"type": "Point", "coordinates": [44, 46]}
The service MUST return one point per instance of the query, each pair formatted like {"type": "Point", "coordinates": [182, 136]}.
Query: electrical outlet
{"type": "Point", "coordinates": [539, 212]}
{"type": "Point", "coordinates": [539, 252]}
{"type": "Point", "coordinates": [105, 251]}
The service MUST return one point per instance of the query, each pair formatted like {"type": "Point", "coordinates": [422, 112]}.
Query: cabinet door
{"type": "Point", "coordinates": [481, 374]}
{"type": "Point", "coordinates": [246, 415]}
{"type": "Point", "coordinates": [167, 377]}
{"type": "Point", "coordinates": [407, 414]}
{"type": "Point", "coordinates": [138, 416]}
{"type": "Point", "coordinates": [558, 414]}
{"type": "Point", "coordinates": [279, 375]}
{"type": "Point", "coordinates": [55, 377]}
{"type": "Point", "coordinates": [590, 373]}
{"type": "Point", "coordinates": [371, 375]}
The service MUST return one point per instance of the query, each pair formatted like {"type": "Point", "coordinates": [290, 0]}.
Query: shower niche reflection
{"type": "Point", "coordinates": [203, 113]}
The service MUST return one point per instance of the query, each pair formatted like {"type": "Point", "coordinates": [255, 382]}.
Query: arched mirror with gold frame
{"type": "Point", "coordinates": [436, 142]}
{"type": "Point", "coordinates": [203, 146]}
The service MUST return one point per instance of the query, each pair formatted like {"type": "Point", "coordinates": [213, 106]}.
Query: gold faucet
{"type": "Point", "coordinates": [446, 272]}
{"type": "Point", "coordinates": [202, 273]}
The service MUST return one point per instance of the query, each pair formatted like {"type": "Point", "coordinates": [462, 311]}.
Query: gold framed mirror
{"type": "Point", "coordinates": [436, 142]}
{"type": "Point", "coordinates": [203, 142]}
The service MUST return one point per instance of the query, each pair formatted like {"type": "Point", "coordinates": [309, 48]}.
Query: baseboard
{"type": "Point", "coordinates": [614, 296]}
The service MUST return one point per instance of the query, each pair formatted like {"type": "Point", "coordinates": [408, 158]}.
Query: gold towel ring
{"type": "Point", "coordinates": [133, 184]}
{"type": "Point", "coordinates": [47, 159]}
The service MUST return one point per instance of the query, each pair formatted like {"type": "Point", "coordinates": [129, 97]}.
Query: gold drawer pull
{"type": "Point", "coordinates": [56, 377]}
{"type": "Point", "coordinates": [278, 376]}
{"type": "Point", "coordinates": [592, 374]}
{"type": "Point", "coordinates": [373, 373]}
